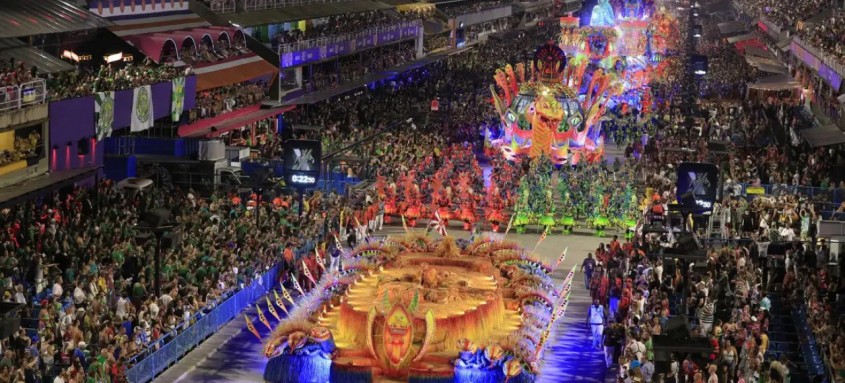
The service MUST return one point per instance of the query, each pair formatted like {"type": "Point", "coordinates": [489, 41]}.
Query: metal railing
{"type": "Point", "coordinates": [24, 95]}
{"type": "Point", "coordinates": [324, 41]}
{"type": "Point", "coordinates": [260, 5]}
{"type": "Point", "coordinates": [162, 353]}
{"type": "Point", "coordinates": [223, 6]}
{"type": "Point", "coordinates": [824, 57]}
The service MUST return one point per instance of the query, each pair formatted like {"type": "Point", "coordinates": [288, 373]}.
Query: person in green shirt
{"type": "Point", "coordinates": [138, 289]}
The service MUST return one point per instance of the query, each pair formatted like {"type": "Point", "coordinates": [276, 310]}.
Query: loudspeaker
{"type": "Point", "coordinates": [676, 327]}
{"type": "Point", "coordinates": [142, 238]}
{"type": "Point", "coordinates": [686, 244]}
{"type": "Point", "coordinates": [83, 147]}
{"type": "Point", "coordinates": [9, 326]}
{"type": "Point", "coordinates": [171, 240]}
{"type": "Point", "coordinates": [156, 217]}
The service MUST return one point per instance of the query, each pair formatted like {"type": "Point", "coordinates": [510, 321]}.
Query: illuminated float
{"type": "Point", "coordinates": [542, 112]}
{"type": "Point", "coordinates": [413, 309]}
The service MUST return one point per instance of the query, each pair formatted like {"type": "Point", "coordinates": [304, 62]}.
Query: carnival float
{"type": "Point", "coordinates": [415, 309]}
{"type": "Point", "coordinates": [542, 113]}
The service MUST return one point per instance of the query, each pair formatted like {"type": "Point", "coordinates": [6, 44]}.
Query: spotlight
{"type": "Point", "coordinates": [696, 31]}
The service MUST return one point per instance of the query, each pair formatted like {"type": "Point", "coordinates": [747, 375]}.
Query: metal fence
{"type": "Point", "coordinates": [24, 95]}
{"type": "Point", "coordinates": [165, 352]}
{"type": "Point", "coordinates": [324, 41]}
{"type": "Point", "coordinates": [258, 5]}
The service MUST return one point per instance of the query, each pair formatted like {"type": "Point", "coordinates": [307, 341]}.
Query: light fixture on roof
{"type": "Point", "coordinates": [70, 55]}
{"type": "Point", "coordinates": [113, 57]}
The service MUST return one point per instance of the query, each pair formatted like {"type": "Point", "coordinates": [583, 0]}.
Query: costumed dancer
{"type": "Point", "coordinates": [547, 221]}
{"type": "Point", "coordinates": [467, 208]}
{"type": "Point", "coordinates": [411, 205]}
{"type": "Point", "coordinates": [493, 210]}
{"type": "Point", "coordinates": [390, 205]}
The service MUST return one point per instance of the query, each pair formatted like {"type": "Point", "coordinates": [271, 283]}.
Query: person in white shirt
{"type": "Point", "coordinates": [19, 297]}
{"type": "Point", "coordinates": [637, 347]}
{"type": "Point", "coordinates": [596, 319]}
{"type": "Point", "coordinates": [154, 309]}
{"type": "Point", "coordinates": [78, 295]}
{"type": "Point", "coordinates": [122, 302]}
{"type": "Point", "coordinates": [659, 269]}
{"type": "Point", "coordinates": [58, 291]}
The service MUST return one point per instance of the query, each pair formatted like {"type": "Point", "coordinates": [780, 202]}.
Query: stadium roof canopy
{"type": "Point", "coordinates": [28, 18]}
{"type": "Point", "coordinates": [32, 57]}
{"type": "Point", "coordinates": [732, 27]}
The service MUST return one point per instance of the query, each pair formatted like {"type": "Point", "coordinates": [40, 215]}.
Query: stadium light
{"type": "Point", "coordinates": [113, 57]}
{"type": "Point", "coordinates": [70, 55]}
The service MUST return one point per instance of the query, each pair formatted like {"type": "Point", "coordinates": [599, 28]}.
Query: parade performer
{"type": "Point", "coordinates": [411, 206]}
{"type": "Point", "coordinates": [390, 205]}
{"type": "Point", "coordinates": [467, 208]}
{"type": "Point", "coordinates": [495, 205]}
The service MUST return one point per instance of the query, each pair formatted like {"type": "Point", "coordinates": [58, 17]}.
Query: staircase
{"type": "Point", "coordinates": [785, 338]}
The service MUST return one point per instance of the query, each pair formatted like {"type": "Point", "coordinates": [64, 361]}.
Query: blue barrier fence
{"type": "Point", "coordinates": [164, 353]}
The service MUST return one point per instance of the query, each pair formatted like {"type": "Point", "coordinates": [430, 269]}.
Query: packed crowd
{"type": "Point", "coordinates": [16, 72]}
{"type": "Point", "coordinates": [331, 74]}
{"type": "Point", "coordinates": [828, 36]}
{"type": "Point", "coordinates": [435, 42]}
{"type": "Point", "coordinates": [634, 293]}
{"type": "Point", "coordinates": [422, 11]}
{"type": "Point", "coordinates": [12, 75]}
{"type": "Point", "coordinates": [217, 101]}
{"type": "Point", "coordinates": [784, 13]}
{"type": "Point", "coordinates": [462, 8]}
{"type": "Point", "coordinates": [109, 78]}
{"type": "Point", "coordinates": [79, 264]}
{"type": "Point", "coordinates": [335, 26]}
{"type": "Point", "coordinates": [207, 54]}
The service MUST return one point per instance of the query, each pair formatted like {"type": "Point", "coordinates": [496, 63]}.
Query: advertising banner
{"type": "Point", "coordinates": [104, 109]}
{"type": "Point", "coordinates": [177, 99]}
{"type": "Point", "coordinates": [830, 76]}
{"type": "Point", "coordinates": [142, 109]}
